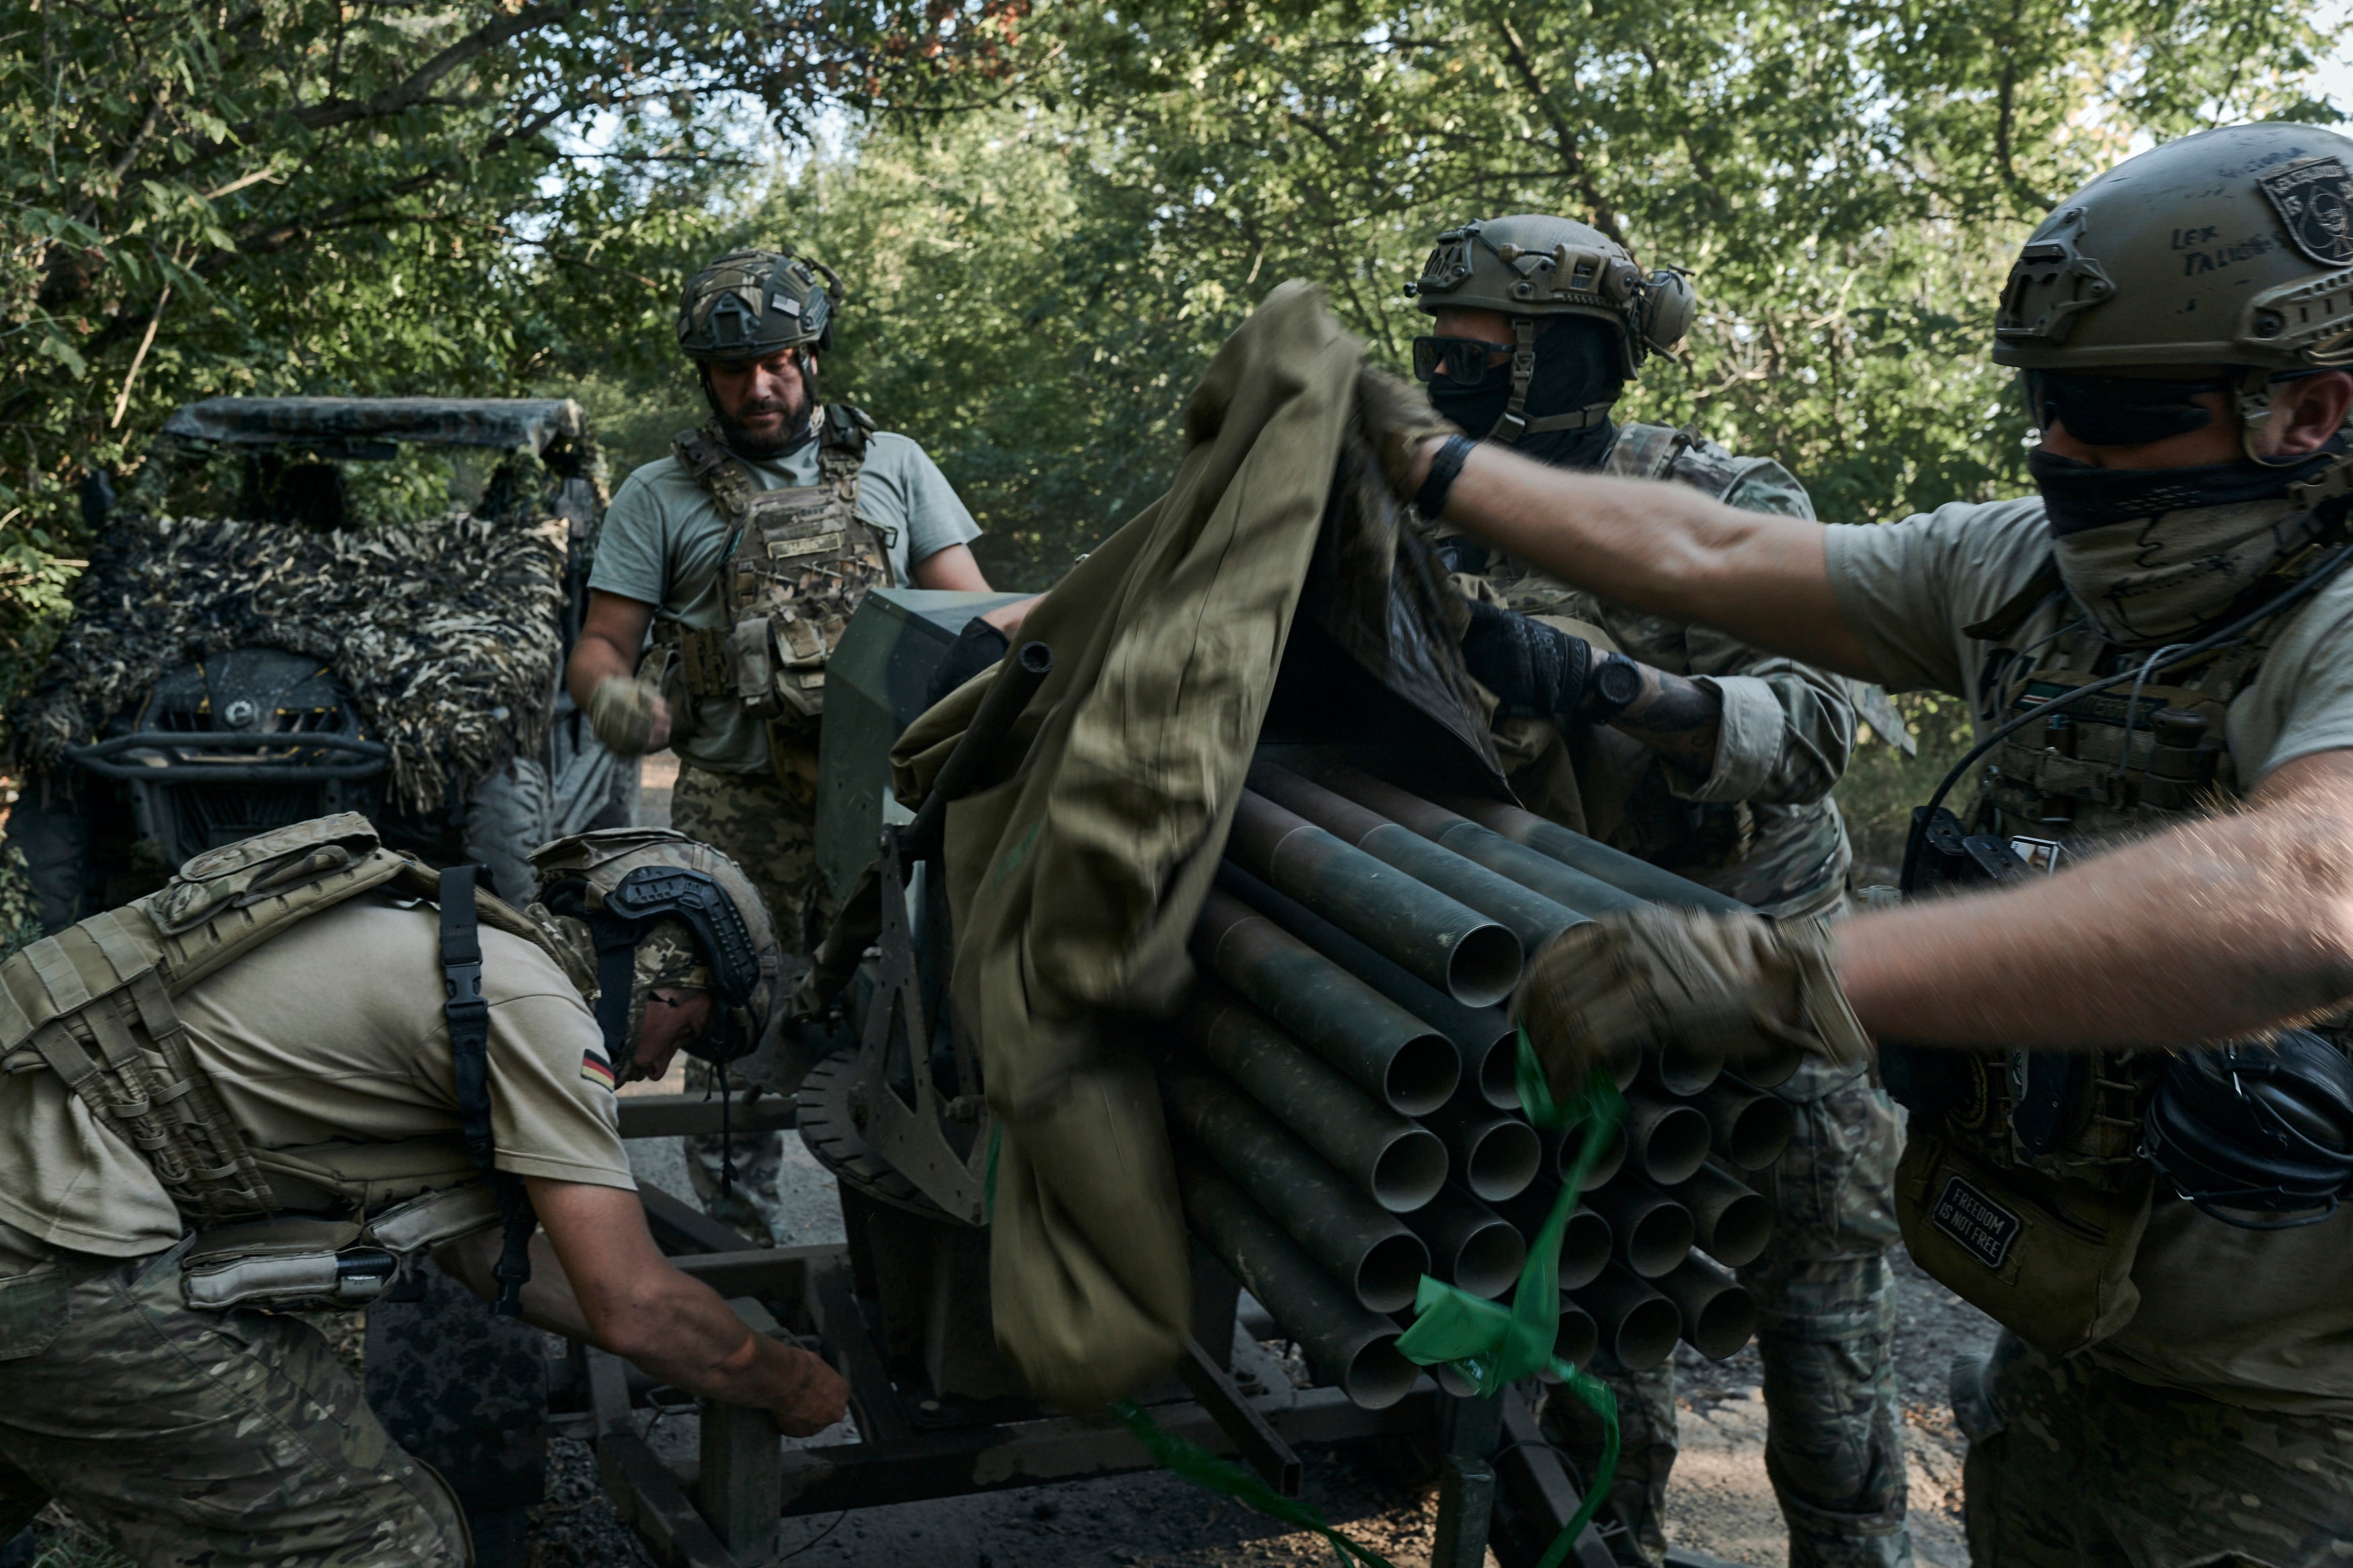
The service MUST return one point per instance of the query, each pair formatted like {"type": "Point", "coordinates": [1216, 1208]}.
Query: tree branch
{"type": "Point", "coordinates": [1572, 155]}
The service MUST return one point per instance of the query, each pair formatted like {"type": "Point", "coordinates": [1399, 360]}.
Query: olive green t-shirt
{"type": "Point", "coordinates": [662, 542]}
{"type": "Point", "coordinates": [332, 1031]}
{"type": "Point", "coordinates": [2261, 1319]}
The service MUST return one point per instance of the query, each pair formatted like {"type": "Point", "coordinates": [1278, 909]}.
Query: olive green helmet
{"type": "Point", "coordinates": [2228, 247]}
{"type": "Point", "coordinates": [755, 302]}
{"type": "Point", "coordinates": [1529, 266]}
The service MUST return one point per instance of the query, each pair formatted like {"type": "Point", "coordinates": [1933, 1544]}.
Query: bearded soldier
{"type": "Point", "coordinates": [746, 552]}
{"type": "Point", "coordinates": [282, 1081]}
{"type": "Point", "coordinates": [2156, 650]}
{"type": "Point", "coordinates": [1701, 754]}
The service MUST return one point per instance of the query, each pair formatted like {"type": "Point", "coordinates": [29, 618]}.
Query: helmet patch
{"type": "Point", "coordinates": [2315, 199]}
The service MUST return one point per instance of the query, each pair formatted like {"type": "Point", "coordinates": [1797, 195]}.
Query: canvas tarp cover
{"type": "Point", "coordinates": [1075, 882]}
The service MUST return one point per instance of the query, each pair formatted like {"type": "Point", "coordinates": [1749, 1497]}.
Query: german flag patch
{"type": "Point", "coordinates": [597, 1069]}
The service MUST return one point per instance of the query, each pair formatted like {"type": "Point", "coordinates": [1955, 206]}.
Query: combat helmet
{"type": "Point", "coordinates": [752, 304]}
{"type": "Point", "coordinates": [1530, 266]}
{"type": "Point", "coordinates": [622, 882]}
{"type": "Point", "coordinates": [2230, 247]}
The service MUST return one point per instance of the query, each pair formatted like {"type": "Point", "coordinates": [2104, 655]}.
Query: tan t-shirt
{"type": "Point", "coordinates": [331, 1031]}
{"type": "Point", "coordinates": [2253, 1318]}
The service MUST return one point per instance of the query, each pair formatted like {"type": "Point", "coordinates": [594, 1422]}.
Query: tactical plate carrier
{"type": "Point", "coordinates": [797, 562]}
{"type": "Point", "coordinates": [323, 1226]}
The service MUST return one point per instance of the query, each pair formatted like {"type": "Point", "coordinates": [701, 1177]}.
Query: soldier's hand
{"type": "Point", "coordinates": [1741, 986]}
{"type": "Point", "coordinates": [818, 1398]}
{"type": "Point", "coordinates": [1398, 419]}
{"type": "Point", "coordinates": [629, 716]}
{"type": "Point", "coordinates": [1531, 668]}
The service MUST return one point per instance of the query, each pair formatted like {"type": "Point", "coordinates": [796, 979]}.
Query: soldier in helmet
{"type": "Point", "coordinates": [745, 552]}
{"type": "Point", "coordinates": [284, 1080]}
{"type": "Point", "coordinates": [2147, 854]}
{"type": "Point", "coordinates": [1706, 756]}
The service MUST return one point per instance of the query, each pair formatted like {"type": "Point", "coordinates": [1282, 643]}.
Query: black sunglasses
{"type": "Point", "coordinates": [2118, 410]}
{"type": "Point", "coordinates": [1464, 363]}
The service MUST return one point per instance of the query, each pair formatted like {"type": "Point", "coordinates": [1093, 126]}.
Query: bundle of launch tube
{"type": "Point", "coordinates": [1342, 1089]}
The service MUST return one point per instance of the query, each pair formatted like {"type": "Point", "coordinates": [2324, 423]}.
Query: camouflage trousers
{"type": "Point", "coordinates": [1825, 1334]}
{"type": "Point", "coordinates": [2071, 1465]}
{"type": "Point", "coordinates": [193, 1439]}
{"type": "Point", "coordinates": [768, 828]}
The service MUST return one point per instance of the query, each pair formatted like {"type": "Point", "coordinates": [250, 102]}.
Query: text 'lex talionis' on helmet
{"type": "Point", "coordinates": [624, 881]}
{"type": "Point", "coordinates": [1530, 265]}
{"type": "Point", "coordinates": [2232, 247]}
{"type": "Point", "coordinates": [755, 304]}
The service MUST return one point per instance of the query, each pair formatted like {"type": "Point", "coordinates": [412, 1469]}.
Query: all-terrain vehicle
{"type": "Point", "coordinates": [306, 604]}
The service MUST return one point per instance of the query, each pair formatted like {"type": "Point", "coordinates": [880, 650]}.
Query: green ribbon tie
{"type": "Point", "coordinates": [1492, 1348]}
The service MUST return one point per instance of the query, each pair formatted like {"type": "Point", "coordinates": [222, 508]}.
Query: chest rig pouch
{"type": "Point", "coordinates": [798, 563]}
{"type": "Point", "coordinates": [2023, 1186]}
{"type": "Point", "coordinates": [325, 1225]}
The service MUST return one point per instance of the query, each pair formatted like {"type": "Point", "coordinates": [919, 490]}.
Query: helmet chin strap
{"type": "Point", "coordinates": [1515, 423]}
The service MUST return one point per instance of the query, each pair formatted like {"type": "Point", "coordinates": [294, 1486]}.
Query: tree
{"type": "Point", "coordinates": [366, 196]}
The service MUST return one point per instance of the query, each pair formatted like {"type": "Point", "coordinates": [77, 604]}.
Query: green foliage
{"type": "Point", "coordinates": [309, 196]}
{"type": "Point", "coordinates": [1035, 285]}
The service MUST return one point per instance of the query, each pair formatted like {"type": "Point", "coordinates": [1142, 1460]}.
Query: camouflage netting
{"type": "Point", "coordinates": [447, 631]}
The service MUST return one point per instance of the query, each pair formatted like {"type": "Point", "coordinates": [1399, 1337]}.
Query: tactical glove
{"type": "Point", "coordinates": [1738, 985]}
{"type": "Point", "coordinates": [1397, 418]}
{"type": "Point", "coordinates": [624, 713]}
{"type": "Point", "coordinates": [1531, 668]}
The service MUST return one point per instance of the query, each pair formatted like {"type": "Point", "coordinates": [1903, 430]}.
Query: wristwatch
{"type": "Point", "coordinates": [1610, 689]}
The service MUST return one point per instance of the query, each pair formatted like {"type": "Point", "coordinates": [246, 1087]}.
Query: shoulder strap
{"type": "Point", "coordinates": [469, 1015]}
{"type": "Point", "coordinates": [702, 455]}
{"type": "Point", "coordinates": [842, 451]}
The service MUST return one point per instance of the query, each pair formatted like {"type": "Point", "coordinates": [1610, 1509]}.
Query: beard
{"type": "Point", "coordinates": [759, 446]}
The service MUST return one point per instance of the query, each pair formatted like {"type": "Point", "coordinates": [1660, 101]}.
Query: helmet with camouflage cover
{"type": "Point", "coordinates": [2228, 247]}
{"type": "Point", "coordinates": [752, 303]}
{"type": "Point", "coordinates": [1529, 266]}
{"type": "Point", "coordinates": [633, 888]}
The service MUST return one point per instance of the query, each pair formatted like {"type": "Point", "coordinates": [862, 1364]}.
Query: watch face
{"type": "Point", "coordinates": [1618, 681]}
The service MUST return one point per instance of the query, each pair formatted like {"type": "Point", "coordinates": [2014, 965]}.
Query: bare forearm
{"type": "Point", "coordinates": [547, 1299]}
{"type": "Point", "coordinates": [1665, 548]}
{"type": "Point", "coordinates": [594, 660]}
{"type": "Point", "coordinates": [1680, 720]}
{"type": "Point", "coordinates": [2205, 934]}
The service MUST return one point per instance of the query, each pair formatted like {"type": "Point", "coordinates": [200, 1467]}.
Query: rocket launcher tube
{"type": "Point", "coordinates": [1469, 957]}
{"type": "Point", "coordinates": [1484, 1036]}
{"type": "Point", "coordinates": [1530, 916]}
{"type": "Point", "coordinates": [1349, 1347]}
{"type": "Point", "coordinates": [1396, 1163]}
{"type": "Point", "coordinates": [1470, 1246]}
{"type": "Point", "coordinates": [1406, 1063]}
{"type": "Point", "coordinates": [1353, 1238]}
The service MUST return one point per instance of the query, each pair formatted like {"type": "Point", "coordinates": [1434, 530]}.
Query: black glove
{"type": "Point", "coordinates": [1531, 669]}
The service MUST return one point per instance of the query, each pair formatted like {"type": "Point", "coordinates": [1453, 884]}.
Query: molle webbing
{"type": "Point", "coordinates": [796, 564]}
{"type": "Point", "coordinates": [93, 1003]}
{"type": "Point", "coordinates": [95, 981]}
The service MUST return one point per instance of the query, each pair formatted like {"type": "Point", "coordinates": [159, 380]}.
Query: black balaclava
{"type": "Point", "coordinates": [1579, 363]}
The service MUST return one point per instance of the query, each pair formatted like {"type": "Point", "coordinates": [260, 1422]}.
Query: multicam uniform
{"type": "Point", "coordinates": [748, 785]}
{"type": "Point", "coordinates": [192, 1436]}
{"type": "Point", "coordinates": [1761, 827]}
{"type": "Point", "coordinates": [2170, 1389]}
